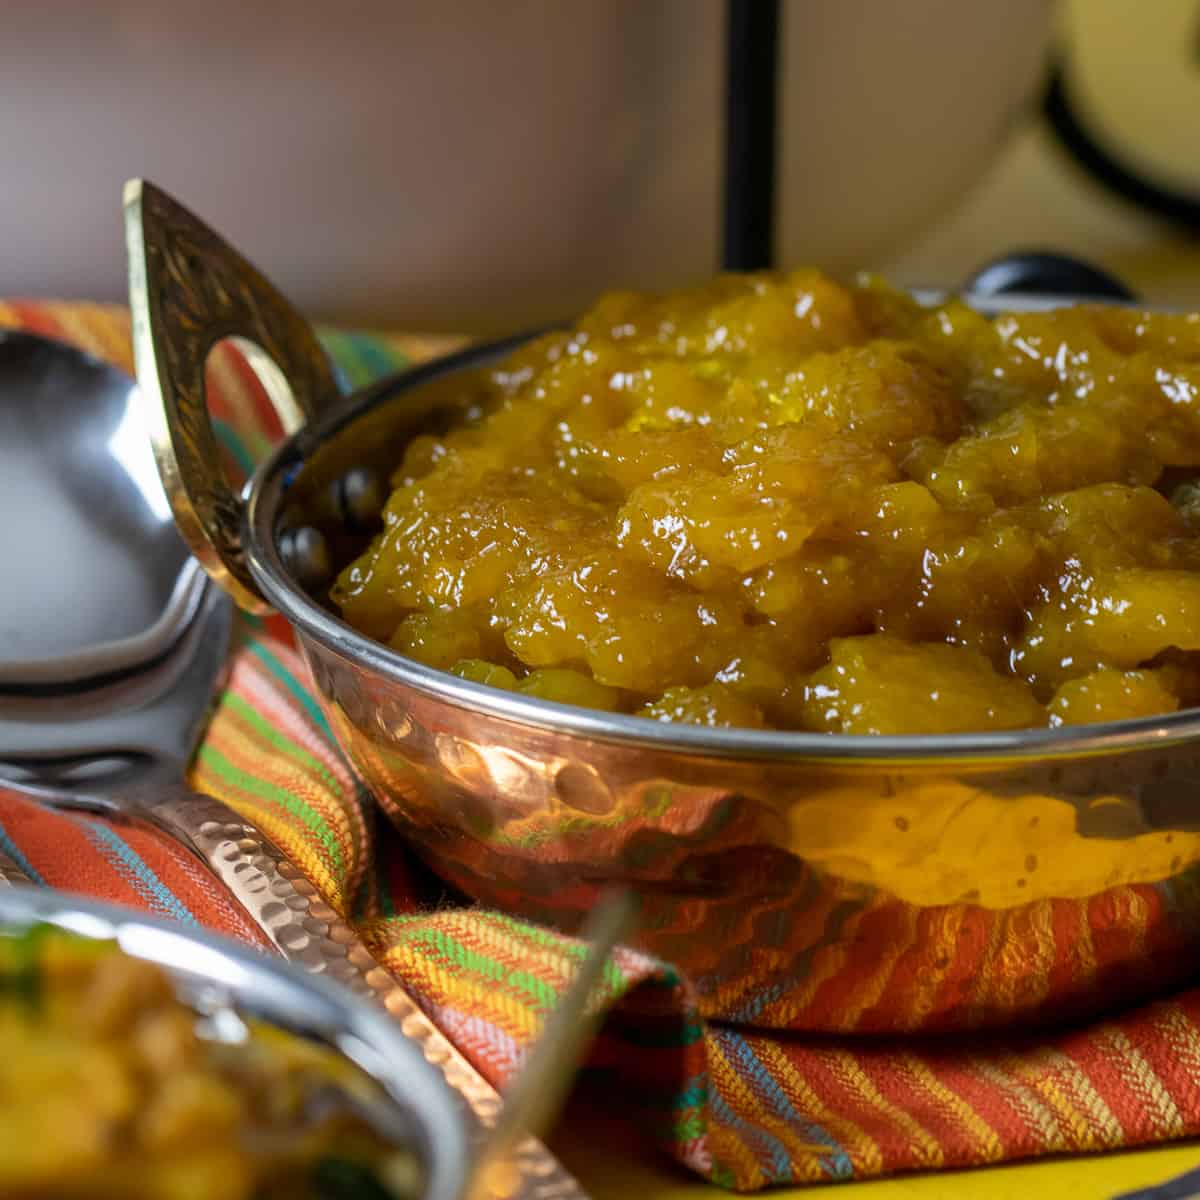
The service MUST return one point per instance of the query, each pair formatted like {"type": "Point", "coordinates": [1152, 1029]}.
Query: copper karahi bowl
{"type": "Point", "coordinates": [804, 881]}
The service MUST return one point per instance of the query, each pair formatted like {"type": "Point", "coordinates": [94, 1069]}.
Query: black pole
{"type": "Point", "coordinates": [750, 134]}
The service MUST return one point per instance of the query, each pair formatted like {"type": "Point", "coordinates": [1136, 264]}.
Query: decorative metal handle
{"type": "Point", "coordinates": [289, 910]}
{"type": "Point", "coordinates": [188, 290]}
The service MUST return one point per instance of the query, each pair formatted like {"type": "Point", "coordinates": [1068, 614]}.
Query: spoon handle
{"type": "Point", "coordinates": [304, 929]}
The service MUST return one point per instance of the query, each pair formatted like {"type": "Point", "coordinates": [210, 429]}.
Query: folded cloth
{"type": "Point", "coordinates": [745, 1108]}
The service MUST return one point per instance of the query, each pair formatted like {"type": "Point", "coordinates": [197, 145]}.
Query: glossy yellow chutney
{"type": "Point", "coordinates": [776, 501]}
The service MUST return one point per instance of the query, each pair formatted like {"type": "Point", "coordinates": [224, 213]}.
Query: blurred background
{"type": "Point", "coordinates": [477, 166]}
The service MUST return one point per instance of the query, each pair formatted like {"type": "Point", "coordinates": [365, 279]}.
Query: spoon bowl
{"type": "Point", "coordinates": [149, 720]}
{"type": "Point", "coordinates": [96, 577]}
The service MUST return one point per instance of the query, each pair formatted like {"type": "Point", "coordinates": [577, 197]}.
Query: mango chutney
{"type": "Point", "coordinates": [778, 501]}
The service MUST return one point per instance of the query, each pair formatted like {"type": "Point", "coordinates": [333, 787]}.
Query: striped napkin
{"type": "Point", "coordinates": [742, 1107]}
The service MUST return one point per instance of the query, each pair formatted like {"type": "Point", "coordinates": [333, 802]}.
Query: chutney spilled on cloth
{"type": "Point", "coordinates": [776, 501]}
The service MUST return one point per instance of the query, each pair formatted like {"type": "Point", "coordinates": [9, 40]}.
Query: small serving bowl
{"type": "Point", "coordinates": [416, 1109]}
{"type": "Point", "coordinates": [800, 881]}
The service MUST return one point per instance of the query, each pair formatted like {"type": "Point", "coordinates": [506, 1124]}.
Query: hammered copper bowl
{"type": "Point", "coordinates": [829, 883]}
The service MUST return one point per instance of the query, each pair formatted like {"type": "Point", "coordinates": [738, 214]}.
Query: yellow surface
{"type": "Point", "coordinates": [611, 1164]}
{"type": "Point", "coordinates": [1134, 75]}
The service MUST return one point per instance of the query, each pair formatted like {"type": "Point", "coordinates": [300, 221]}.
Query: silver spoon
{"type": "Point", "coordinates": [122, 709]}
{"type": "Point", "coordinates": [96, 578]}
{"type": "Point", "coordinates": [127, 756]}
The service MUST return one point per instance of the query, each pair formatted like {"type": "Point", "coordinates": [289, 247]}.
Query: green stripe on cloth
{"type": "Point", "coordinates": [236, 446]}
{"type": "Point", "coordinates": [300, 693]}
{"type": "Point", "coordinates": [292, 684]}
{"type": "Point", "coordinates": [535, 935]}
{"type": "Point", "coordinates": [281, 742]}
{"type": "Point", "coordinates": [362, 358]}
{"type": "Point", "coordinates": [456, 955]}
{"type": "Point", "coordinates": [261, 789]}
{"type": "Point", "coordinates": [538, 935]}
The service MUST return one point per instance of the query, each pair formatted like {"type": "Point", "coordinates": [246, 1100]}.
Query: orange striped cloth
{"type": "Point", "coordinates": [743, 1107]}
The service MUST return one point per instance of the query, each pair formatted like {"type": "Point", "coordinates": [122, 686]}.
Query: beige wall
{"type": "Point", "coordinates": [1138, 77]}
{"type": "Point", "coordinates": [467, 162]}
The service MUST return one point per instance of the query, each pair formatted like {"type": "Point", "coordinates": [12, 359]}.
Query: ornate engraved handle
{"type": "Point", "coordinates": [305, 930]}
{"type": "Point", "coordinates": [188, 289]}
